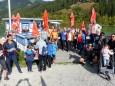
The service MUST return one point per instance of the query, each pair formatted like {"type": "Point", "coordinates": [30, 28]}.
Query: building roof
{"type": "Point", "coordinates": [33, 19]}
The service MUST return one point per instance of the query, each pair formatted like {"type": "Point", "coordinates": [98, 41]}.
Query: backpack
{"type": "Point", "coordinates": [44, 51]}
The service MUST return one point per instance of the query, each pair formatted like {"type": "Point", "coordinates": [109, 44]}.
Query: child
{"type": "Point", "coordinates": [54, 48]}
{"type": "Point", "coordinates": [106, 55]}
{"type": "Point", "coordinates": [29, 57]}
{"type": "Point", "coordinates": [49, 49]}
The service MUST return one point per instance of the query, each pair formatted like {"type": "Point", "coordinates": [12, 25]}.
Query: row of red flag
{"type": "Point", "coordinates": [92, 19]}
{"type": "Point", "coordinates": [16, 22]}
{"type": "Point", "coordinates": [35, 31]}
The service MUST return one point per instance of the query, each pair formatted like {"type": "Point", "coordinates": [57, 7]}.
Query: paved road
{"type": "Point", "coordinates": [64, 56]}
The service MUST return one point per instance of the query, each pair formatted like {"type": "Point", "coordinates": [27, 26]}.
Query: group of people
{"type": "Point", "coordinates": [85, 42]}
{"type": "Point", "coordinates": [8, 54]}
{"type": "Point", "coordinates": [8, 50]}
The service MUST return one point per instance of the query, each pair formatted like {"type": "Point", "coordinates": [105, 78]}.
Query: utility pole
{"type": "Point", "coordinates": [9, 11]}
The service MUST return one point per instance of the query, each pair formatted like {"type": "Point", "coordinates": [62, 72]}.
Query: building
{"type": "Point", "coordinates": [24, 38]}
{"type": "Point", "coordinates": [27, 23]}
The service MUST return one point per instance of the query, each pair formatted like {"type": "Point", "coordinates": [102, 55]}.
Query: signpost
{"type": "Point", "coordinates": [9, 11]}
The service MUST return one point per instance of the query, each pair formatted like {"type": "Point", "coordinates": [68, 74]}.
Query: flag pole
{"type": "Point", "coordinates": [9, 11]}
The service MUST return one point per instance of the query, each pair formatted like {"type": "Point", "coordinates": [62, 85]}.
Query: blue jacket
{"type": "Point", "coordinates": [49, 49]}
{"type": "Point", "coordinates": [29, 55]}
{"type": "Point", "coordinates": [63, 35]}
{"type": "Point", "coordinates": [54, 47]}
{"type": "Point", "coordinates": [83, 37]}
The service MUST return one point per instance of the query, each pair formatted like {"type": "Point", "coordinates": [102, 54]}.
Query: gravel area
{"type": "Point", "coordinates": [68, 74]}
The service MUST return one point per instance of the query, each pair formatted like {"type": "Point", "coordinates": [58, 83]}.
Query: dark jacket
{"type": "Point", "coordinates": [102, 43]}
{"type": "Point", "coordinates": [6, 47]}
{"type": "Point", "coordinates": [111, 44]}
{"type": "Point", "coordinates": [1, 48]}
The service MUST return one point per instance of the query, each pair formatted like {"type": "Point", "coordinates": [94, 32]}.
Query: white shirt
{"type": "Point", "coordinates": [69, 37]}
{"type": "Point", "coordinates": [96, 28]}
{"type": "Point", "coordinates": [40, 44]}
{"type": "Point", "coordinates": [44, 35]}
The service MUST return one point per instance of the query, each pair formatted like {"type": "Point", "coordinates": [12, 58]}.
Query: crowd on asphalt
{"type": "Point", "coordinates": [88, 42]}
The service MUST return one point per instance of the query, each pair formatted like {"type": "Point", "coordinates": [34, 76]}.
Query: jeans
{"type": "Point", "coordinates": [106, 62]}
{"type": "Point", "coordinates": [14, 59]}
{"type": "Point", "coordinates": [63, 44]}
{"type": "Point", "coordinates": [49, 61]}
{"type": "Point", "coordinates": [3, 64]}
{"type": "Point", "coordinates": [80, 46]}
{"type": "Point", "coordinates": [29, 64]}
{"type": "Point", "coordinates": [75, 43]}
{"type": "Point", "coordinates": [42, 62]}
{"type": "Point", "coordinates": [69, 45]}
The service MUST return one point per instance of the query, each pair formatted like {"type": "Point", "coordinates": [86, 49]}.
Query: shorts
{"type": "Point", "coordinates": [3, 64]}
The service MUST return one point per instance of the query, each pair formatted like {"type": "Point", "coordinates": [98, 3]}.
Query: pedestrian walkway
{"type": "Point", "coordinates": [59, 74]}
{"type": "Point", "coordinates": [64, 56]}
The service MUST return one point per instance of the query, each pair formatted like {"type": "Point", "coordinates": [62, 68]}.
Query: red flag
{"type": "Point", "coordinates": [13, 18]}
{"type": "Point", "coordinates": [18, 22]}
{"type": "Point", "coordinates": [72, 20]}
{"type": "Point", "coordinates": [82, 27]}
{"type": "Point", "coordinates": [35, 31]}
{"type": "Point", "coordinates": [93, 16]}
{"type": "Point", "coordinates": [14, 25]}
{"type": "Point", "coordinates": [45, 20]}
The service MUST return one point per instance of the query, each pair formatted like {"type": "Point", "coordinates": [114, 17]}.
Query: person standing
{"type": "Point", "coordinates": [63, 36]}
{"type": "Point", "coordinates": [30, 54]}
{"type": "Point", "coordinates": [40, 45]}
{"type": "Point", "coordinates": [75, 39]}
{"type": "Point", "coordinates": [54, 49]}
{"type": "Point", "coordinates": [3, 64]}
{"type": "Point", "coordinates": [10, 47]}
{"type": "Point", "coordinates": [50, 51]}
{"type": "Point", "coordinates": [111, 42]}
{"type": "Point", "coordinates": [69, 39]}
{"type": "Point", "coordinates": [44, 35]}
{"type": "Point", "coordinates": [80, 41]}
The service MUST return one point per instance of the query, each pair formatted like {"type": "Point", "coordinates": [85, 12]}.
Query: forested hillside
{"type": "Point", "coordinates": [61, 9]}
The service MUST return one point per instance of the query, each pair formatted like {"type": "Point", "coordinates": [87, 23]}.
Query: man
{"type": "Point", "coordinates": [69, 39]}
{"type": "Point", "coordinates": [94, 29]}
{"type": "Point", "coordinates": [40, 46]}
{"type": "Point", "coordinates": [10, 47]}
{"type": "Point", "coordinates": [63, 37]}
{"type": "Point", "coordinates": [44, 35]}
{"type": "Point", "coordinates": [111, 42]}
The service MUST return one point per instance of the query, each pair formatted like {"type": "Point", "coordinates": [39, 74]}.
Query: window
{"type": "Point", "coordinates": [25, 26]}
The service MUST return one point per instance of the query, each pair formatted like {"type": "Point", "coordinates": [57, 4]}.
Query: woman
{"type": "Point", "coordinates": [29, 57]}
{"type": "Point", "coordinates": [3, 64]}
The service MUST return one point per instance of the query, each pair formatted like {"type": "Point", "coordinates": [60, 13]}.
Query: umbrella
{"type": "Point", "coordinates": [14, 25]}
{"type": "Point", "coordinates": [13, 18]}
{"type": "Point", "coordinates": [35, 31]}
{"type": "Point", "coordinates": [72, 20]}
{"type": "Point", "coordinates": [82, 27]}
{"type": "Point", "coordinates": [45, 20]}
{"type": "Point", "coordinates": [93, 16]}
{"type": "Point", "coordinates": [18, 22]}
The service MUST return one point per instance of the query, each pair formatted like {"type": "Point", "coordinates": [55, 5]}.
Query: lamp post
{"type": "Point", "coordinates": [9, 12]}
